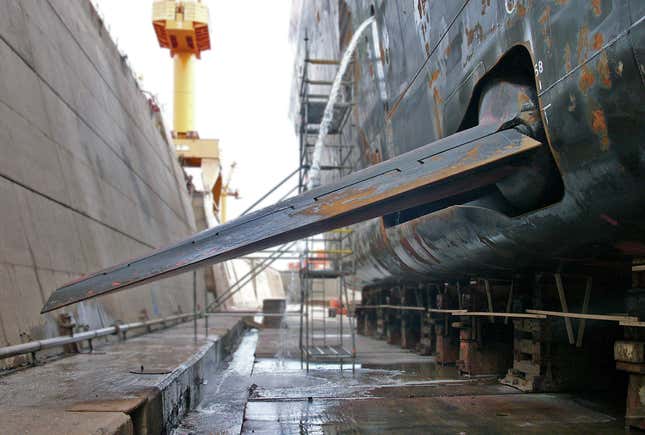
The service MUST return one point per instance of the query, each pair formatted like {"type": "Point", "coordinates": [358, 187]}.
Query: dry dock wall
{"type": "Point", "coordinates": [87, 178]}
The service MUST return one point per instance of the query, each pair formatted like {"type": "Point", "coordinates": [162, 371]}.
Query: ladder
{"type": "Point", "coordinates": [323, 273]}
{"type": "Point", "coordinates": [327, 259]}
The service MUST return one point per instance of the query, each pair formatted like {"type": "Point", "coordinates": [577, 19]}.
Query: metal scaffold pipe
{"type": "Point", "coordinates": [273, 189]}
{"type": "Point", "coordinates": [240, 283]}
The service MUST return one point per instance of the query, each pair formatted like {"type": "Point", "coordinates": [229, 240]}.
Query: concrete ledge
{"type": "Point", "coordinates": [142, 385]}
{"type": "Point", "coordinates": [52, 421]}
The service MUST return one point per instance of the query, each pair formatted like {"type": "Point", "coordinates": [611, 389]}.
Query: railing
{"type": "Point", "coordinates": [49, 343]}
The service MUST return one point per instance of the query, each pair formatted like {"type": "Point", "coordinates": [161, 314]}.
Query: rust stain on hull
{"type": "Point", "coordinates": [475, 32]}
{"type": "Point", "coordinates": [598, 41]}
{"type": "Point", "coordinates": [567, 58]}
{"type": "Point", "coordinates": [599, 126]}
{"type": "Point", "coordinates": [587, 79]}
{"type": "Point", "coordinates": [603, 70]}
{"type": "Point", "coordinates": [438, 101]}
{"type": "Point", "coordinates": [545, 19]}
{"type": "Point", "coordinates": [583, 44]}
{"type": "Point", "coordinates": [433, 77]}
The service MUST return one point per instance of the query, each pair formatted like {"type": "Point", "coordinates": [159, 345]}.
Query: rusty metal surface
{"type": "Point", "coordinates": [584, 62]}
{"type": "Point", "coordinates": [439, 171]}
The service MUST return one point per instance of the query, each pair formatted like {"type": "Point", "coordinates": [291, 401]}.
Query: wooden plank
{"type": "Point", "coordinates": [403, 307]}
{"type": "Point", "coordinates": [438, 310]}
{"type": "Point", "coordinates": [496, 314]}
{"type": "Point", "coordinates": [633, 323]}
{"type": "Point", "coordinates": [629, 351]}
{"type": "Point", "coordinates": [393, 307]}
{"type": "Point", "coordinates": [608, 317]}
{"type": "Point", "coordinates": [631, 367]}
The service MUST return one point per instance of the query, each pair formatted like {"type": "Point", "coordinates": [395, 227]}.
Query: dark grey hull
{"type": "Point", "coordinates": [434, 61]}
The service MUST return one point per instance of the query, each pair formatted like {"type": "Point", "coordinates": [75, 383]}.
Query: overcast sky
{"type": "Point", "coordinates": [244, 84]}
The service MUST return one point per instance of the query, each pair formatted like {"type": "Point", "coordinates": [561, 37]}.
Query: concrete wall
{"type": "Point", "coordinates": [87, 178]}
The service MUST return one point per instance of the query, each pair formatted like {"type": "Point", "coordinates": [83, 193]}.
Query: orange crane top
{"type": "Point", "coordinates": [181, 26]}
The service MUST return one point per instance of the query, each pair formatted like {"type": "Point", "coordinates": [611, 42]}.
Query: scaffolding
{"type": "Point", "coordinates": [328, 257]}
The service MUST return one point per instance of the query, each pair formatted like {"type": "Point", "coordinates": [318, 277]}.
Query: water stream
{"type": "Point", "coordinates": [325, 124]}
{"type": "Point", "coordinates": [285, 342]}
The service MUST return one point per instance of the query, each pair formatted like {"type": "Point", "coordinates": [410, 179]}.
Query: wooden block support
{"type": "Point", "coordinates": [630, 351]}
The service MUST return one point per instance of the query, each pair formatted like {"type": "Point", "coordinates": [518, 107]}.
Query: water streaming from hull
{"type": "Point", "coordinates": [325, 124]}
{"type": "Point", "coordinates": [283, 350]}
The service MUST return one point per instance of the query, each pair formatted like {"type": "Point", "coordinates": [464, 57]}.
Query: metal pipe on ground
{"type": "Point", "coordinates": [50, 343]}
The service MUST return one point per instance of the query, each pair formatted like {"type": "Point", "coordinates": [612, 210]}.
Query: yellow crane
{"type": "Point", "coordinates": [226, 192]}
{"type": "Point", "coordinates": [182, 26]}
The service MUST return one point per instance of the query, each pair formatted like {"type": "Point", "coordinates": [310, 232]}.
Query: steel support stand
{"type": "Point", "coordinates": [509, 302]}
{"type": "Point", "coordinates": [489, 299]}
{"type": "Point", "coordinates": [205, 312]}
{"type": "Point", "coordinates": [195, 305]}
{"type": "Point", "coordinates": [585, 308]}
{"type": "Point", "coordinates": [565, 307]}
{"type": "Point", "coordinates": [302, 312]}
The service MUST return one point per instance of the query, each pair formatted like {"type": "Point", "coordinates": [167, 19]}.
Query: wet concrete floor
{"type": "Point", "coordinates": [103, 391]}
{"type": "Point", "coordinates": [225, 394]}
{"type": "Point", "coordinates": [391, 390]}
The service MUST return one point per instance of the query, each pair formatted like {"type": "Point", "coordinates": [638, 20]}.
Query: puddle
{"type": "Point", "coordinates": [225, 394]}
{"type": "Point", "coordinates": [286, 381]}
{"type": "Point", "coordinates": [273, 364]}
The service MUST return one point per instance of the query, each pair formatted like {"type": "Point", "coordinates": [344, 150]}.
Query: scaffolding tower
{"type": "Point", "coordinates": [328, 257]}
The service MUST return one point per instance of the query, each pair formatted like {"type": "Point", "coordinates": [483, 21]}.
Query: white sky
{"type": "Point", "coordinates": [244, 85]}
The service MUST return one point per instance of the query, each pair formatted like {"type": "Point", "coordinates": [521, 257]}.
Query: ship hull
{"type": "Point", "coordinates": [422, 76]}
